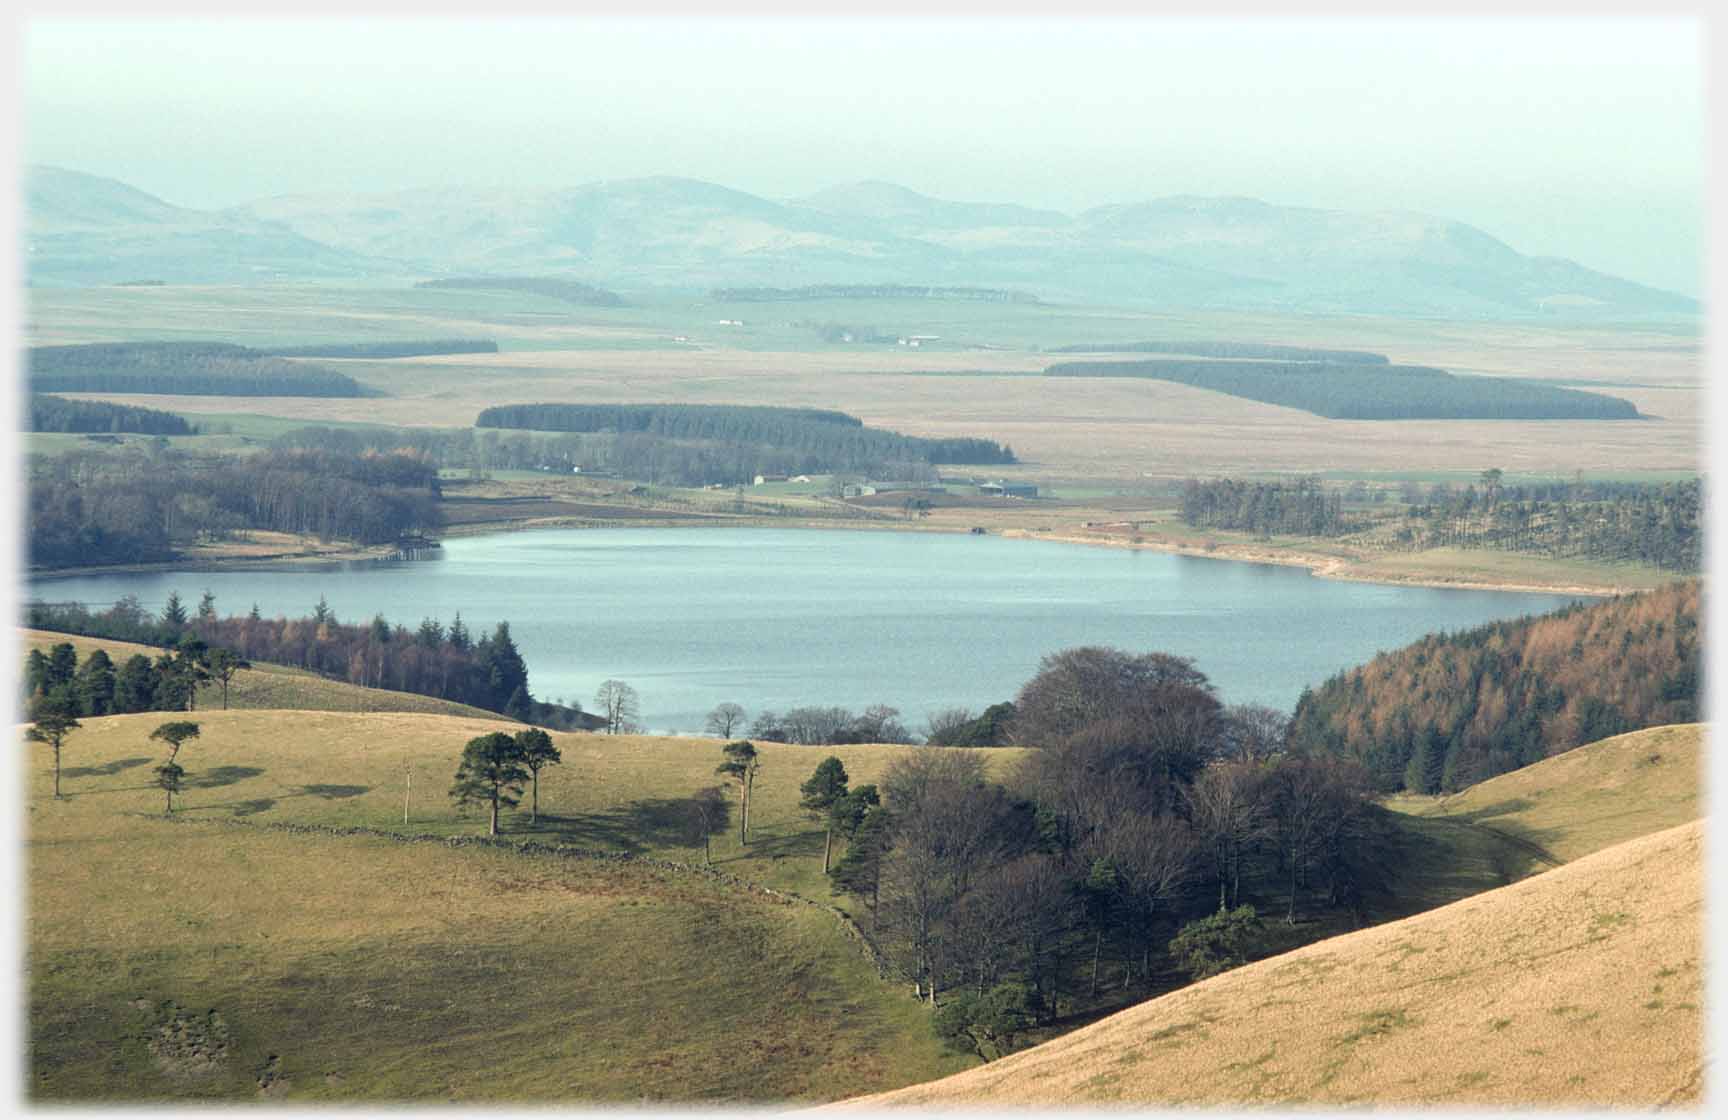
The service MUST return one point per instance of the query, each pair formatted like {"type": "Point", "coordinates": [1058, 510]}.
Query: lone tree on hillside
{"type": "Point", "coordinates": [741, 766]}
{"type": "Point", "coordinates": [51, 721]}
{"type": "Point", "coordinates": [618, 705]}
{"type": "Point", "coordinates": [172, 778]}
{"type": "Point", "coordinates": [822, 792]}
{"type": "Point", "coordinates": [175, 734]}
{"type": "Point", "coordinates": [491, 772]}
{"type": "Point", "coordinates": [537, 753]}
{"type": "Point", "coordinates": [725, 719]}
{"type": "Point", "coordinates": [224, 663]}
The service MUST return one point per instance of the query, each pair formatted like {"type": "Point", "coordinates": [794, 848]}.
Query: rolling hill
{"type": "Point", "coordinates": [1577, 987]}
{"type": "Point", "coordinates": [218, 956]}
{"type": "Point", "coordinates": [668, 232]}
{"type": "Point", "coordinates": [85, 229]}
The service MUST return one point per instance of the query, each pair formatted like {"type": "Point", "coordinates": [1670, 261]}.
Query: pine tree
{"type": "Point", "coordinates": [491, 772]}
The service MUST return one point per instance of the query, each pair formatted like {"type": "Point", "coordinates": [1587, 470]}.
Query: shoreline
{"type": "Point", "coordinates": [1320, 565]}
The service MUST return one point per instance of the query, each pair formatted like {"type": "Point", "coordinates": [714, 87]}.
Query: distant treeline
{"type": "Point", "coordinates": [432, 660]}
{"type": "Point", "coordinates": [868, 291]}
{"type": "Point", "coordinates": [1228, 350]}
{"type": "Point", "coordinates": [1454, 709]}
{"type": "Point", "coordinates": [131, 507]}
{"type": "Point", "coordinates": [57, 414]}
{"type": "Point", "coordinates": [409, 349]}
{"type": "Point", "coordinates": [570, 291]}
{"type": "Point", "coordinates": [192, 368]}
{"type": "Point", "coordinates": [1613, 522]}
{"type": "Point", "coordinates": [1347, 391]}
{"type": "Point", "coordinates": [738, 442]}
{"type": "Point", "coordinates": [1302, 507]}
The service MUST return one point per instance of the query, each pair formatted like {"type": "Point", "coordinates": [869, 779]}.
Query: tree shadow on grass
{"type": "Point", "coordinates": [655, 822]}
{"type": "Point", "coordinates": [331, 793]}
{"type": "Point", "coordinates": [222, 776]}
{"type": "Point", "coordinates": [786, 846]}
{"type": "Point", "coordinates": [257, 805]}
{"type": "Point", "coordinates": [106, 770]}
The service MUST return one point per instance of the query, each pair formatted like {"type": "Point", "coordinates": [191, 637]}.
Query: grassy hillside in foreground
{"type": "Point", "coordinates": [616, 793]}
{"type": "Point", "coordinates": [271, 686]}
{"type": "Point", "coordinates": [192, 961]}
{"type": "Point", "coordinates": [1579, 987]}
{"type": "Point", "coordinates": [1586, 799]}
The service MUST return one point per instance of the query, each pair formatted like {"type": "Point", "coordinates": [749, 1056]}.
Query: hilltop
{"type": "Point", "coordinates": [668, 232]}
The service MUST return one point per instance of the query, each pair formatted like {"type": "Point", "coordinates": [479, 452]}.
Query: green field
{"type": "Point", "coordinates": [362, 968]}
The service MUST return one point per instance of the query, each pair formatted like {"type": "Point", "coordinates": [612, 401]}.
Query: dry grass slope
{"type": "Point", "coordinates": [1586, 799]}
{"type": "Point", "coordinates": [1579, 987]}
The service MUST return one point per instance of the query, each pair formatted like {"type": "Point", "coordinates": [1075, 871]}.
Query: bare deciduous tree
{"type": "Point", "coordinates": [618, 705]}
{"type": "Point", "coordinates": [725, 719]}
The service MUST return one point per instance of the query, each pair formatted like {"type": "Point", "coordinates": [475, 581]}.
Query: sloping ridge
{"type": "Point", "coordinates": [1589, 798]}
{"type": "Point", "coordinates": [1577, 987]}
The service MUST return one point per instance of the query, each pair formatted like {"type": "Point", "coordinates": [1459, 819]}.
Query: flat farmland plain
{"type": "Point", "coordinates": [979, 376]}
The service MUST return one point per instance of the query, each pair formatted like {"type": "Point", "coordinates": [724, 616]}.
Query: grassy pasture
{"type": "Point", "coordinates": [361, 969]}
{"type": "Point", "coordinates": [1585, 799]}
{"type": "Point", "coordinates": [614, 793]}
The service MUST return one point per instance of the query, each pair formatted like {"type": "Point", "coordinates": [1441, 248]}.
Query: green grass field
{"type": "Point", "coordinates": [362, 968]}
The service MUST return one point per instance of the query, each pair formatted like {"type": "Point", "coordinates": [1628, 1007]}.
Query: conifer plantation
{"type": "Point", "coordinates": [1454, 709]}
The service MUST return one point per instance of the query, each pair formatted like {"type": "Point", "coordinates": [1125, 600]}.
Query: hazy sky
{"type": "Point", "coordinates": [1577, 137]}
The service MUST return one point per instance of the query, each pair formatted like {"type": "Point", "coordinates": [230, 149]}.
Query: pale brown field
{"type": "Point", "coordinates": [1580, 987]}
{"type": "Point", "coordinates": [983, 382]}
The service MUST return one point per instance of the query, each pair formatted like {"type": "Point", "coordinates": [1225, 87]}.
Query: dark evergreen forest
{"type": "Point", "coordinates": [1354, 391]}
{"type": "Point", "coordinates": [432, 660]}
{"type": "Point", "coordinates": [57, 414]}
{"type": "Point", "coordinates": [192, 368]}
{"type": "Point", "coordinates": [732, 443]}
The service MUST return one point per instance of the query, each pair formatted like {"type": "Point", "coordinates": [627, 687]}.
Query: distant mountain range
{"type": "Point", "coordinates": [1182, 251]}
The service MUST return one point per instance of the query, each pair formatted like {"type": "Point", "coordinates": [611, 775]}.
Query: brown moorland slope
{"type": "Point", "coordinates": [1579, 987]}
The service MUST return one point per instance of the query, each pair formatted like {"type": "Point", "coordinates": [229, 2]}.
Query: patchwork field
{"type": "Point", "coordinates": [980, 376]}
